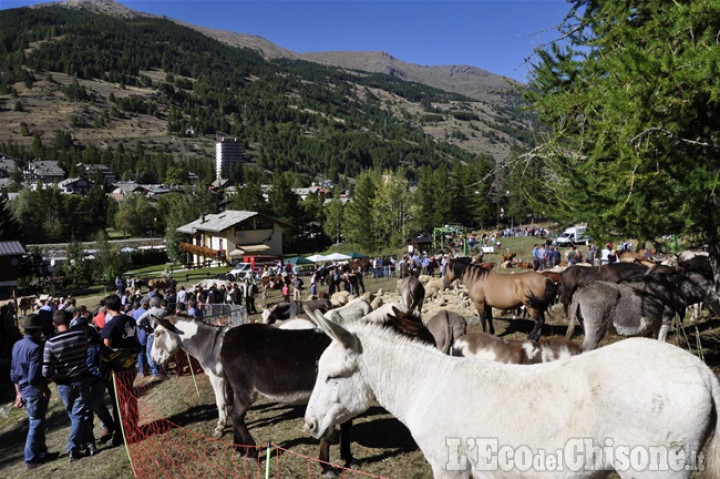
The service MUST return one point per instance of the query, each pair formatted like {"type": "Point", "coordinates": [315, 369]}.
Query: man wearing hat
{"type": "Point", "coordinates": [32, 390]}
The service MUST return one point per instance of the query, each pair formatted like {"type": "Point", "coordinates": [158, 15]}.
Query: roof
{"type": "Point", "coordinates": [46, 168]}
{"type": "Point", "coordinates": [69, 181]}
{"type": "Point", "coordinates": [11, 248]}
{"type": "Point", "coordinates": [217, 223]}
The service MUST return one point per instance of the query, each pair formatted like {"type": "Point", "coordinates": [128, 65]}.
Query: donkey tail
{"type": "Point", "coordinates": [572, 315]}
{"type": "Point", "coordinates": [712, 448]}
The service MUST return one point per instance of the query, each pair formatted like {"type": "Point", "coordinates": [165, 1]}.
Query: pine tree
{"type": "Point", "coordinates": [631, 97]}
{"type": "Point", "coordinates": [9, 227]}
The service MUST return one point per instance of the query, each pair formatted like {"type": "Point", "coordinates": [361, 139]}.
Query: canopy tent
{"type": "Point", "coordinates": [356, 255]}
{"type": "Point", "coordinates": [317, 258]}
{"type": "Point", "coordinates": [298, 260]}
{"type": "Point", "coordinates": [337, 257]}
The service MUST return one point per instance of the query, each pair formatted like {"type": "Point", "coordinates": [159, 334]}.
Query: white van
{"type": "Point", "coordinates": [239, 271]}
{"type": "Point", "coordinates": [573, 235]}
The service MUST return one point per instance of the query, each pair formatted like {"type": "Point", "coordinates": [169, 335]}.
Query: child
{"type": "Point", "coordinates": [286, 292]}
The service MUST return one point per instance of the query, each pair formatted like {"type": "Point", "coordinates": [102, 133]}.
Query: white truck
{"type": "Point", "coordinates": [573, 235]}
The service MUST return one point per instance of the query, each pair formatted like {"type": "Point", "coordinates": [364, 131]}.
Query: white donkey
{"type": "Point", "coordinates": [201, 341]}
{"type": "Point", "coordinates": [635, 395]}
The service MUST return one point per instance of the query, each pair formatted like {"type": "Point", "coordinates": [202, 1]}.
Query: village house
{"type": "Point", "coordinates": [75, 186]}
{"type": "Point", "coordinates": [47, 172]}
{"type": "Point", "coordinates": [232, 234]}
{"type": "Point", "coordinates": [104, 170]}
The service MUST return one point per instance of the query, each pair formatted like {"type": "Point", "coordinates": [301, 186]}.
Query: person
{"type": "Point", "coordinates": [98, 376]}
{"type": "Point", "coordinates": [119, 285]}
{"type": "Point", "coordinates": [542, 256]}
{"type": "Point", "coordinates": [286, 292]}
{"type": "Point", "coordinates": [313, 284]}
{"type": "Point", "coordinates": [120, 337]}
{"type": "Point", "coordinates": [592, 255]}
{"type": "Point", "coordinates": [297, 284]}
{"type": "Point", "coordinates": [605, 253]}
{"type": "Point", "coordinates": [182, 295]}
{"type": "Point", "coordinates": [64, 362]}
{"type": "Point", "coordinates": [99, 319]}
{"type": "Point", "coordinates": [572, 256]}
{"type": "Point", "coordinates": [141, 309]}
{"type": "Point", "coordinates": [535, 257]}
{"type": "Point", "coordinates": [250, 290]}
{"type": "Point", "coordinates": [31, 390]}
{"type": "Point", "coordinates": [170, 302]}
{"type": "Point", "coordinates": [46, 314]}
{"type": "Point", "coordinates": [360, 282]}
{"type": "Point", "coordinates": [146, 323]}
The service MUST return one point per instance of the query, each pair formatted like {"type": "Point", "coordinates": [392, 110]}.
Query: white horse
{"type": "Point", "coordinates": [603, 409]}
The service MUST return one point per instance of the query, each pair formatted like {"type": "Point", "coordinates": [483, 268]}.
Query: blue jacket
{"type": "Point", "coordinates": [26, 367]}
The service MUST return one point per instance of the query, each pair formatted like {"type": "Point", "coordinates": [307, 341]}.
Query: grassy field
{"type": "Point", "coordinates": [382, 445]}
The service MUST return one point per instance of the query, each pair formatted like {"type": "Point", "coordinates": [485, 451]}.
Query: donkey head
{"type": "Point", "coordinates": [167, 339]}
{"type": "Point", "coordinates": [339, 393]}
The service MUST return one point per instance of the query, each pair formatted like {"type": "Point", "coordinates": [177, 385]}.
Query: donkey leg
{"type": "Point", "coordinates": [241, 435]}
{"type": "Point", "coordinates": [345, 452]}
{"type": "Point", "coordinates": [328, 472]}
{"type": "Point", "coordinates": [218, 385]}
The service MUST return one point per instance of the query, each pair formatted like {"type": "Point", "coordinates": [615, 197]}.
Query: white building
{"type": "Point", "coordinates": [231, 234]}
{"type": "Point", "coordinates": [228, 154]}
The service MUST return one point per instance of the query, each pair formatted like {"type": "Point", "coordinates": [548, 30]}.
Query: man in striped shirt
{"type": "Point", "coordinates": [64, 361]}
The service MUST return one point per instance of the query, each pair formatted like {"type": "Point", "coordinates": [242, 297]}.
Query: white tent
{"type": "Point", "coordinates": [317, 258]}
{"type": "Point", "coordinates": [337, 257]}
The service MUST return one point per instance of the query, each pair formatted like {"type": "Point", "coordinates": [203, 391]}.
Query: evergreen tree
{"type": "Point", "coordinates": [9, 227]}
{"type": "Point", "coordinates": [334, 220]}
{"type": "Point", "coordinates": [630, 94]}
{"type": "Point", "coordinates": [359, 224]}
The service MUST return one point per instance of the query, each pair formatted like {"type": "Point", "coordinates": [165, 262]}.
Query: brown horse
{"type": "Point", "coordinates": [488, 290]}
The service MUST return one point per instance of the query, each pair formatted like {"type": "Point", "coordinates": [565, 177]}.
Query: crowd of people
{"type": "Point", "coordinates": [80, 350]}
{"type": "Point", "coordinates": [64, 345]}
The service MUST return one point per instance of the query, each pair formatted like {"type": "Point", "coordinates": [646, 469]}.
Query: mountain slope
{"type": "Point", "coordinates": [124, 80]}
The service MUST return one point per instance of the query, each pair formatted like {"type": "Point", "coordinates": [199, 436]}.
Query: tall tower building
{"type": "Point", "coordinates": [228, 155]}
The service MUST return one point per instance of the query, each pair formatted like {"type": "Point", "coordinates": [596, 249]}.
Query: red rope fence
{"type": "Point", "coordinates": [159, 422]}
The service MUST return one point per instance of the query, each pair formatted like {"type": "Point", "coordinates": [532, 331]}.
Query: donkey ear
{"type": "Point", "coordinates": [334, 330]}
{"type": "Point", "coordinates": [167, 325]}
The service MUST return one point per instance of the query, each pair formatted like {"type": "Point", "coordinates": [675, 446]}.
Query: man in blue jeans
{"type": "Point", "coordinates": [65, 362]}
{"type": "Point", "coordinates": [31, 390]}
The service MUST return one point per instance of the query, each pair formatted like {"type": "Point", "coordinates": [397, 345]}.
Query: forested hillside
{"type": "Point", "coordinates": [145, 94]}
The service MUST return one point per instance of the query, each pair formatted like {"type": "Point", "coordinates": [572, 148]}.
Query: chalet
{"type": "Point", "coordinates": [104, 170]}
{"type": "Point", "coordinates": [8, 165]}
{"type": "Point", "coordinates": [43, 172]}
{"type": "Point", "coordinates": [11, 252]}
{"type": "Point", "coordinates": [319, 191]}
{"type": "Point", "coordinates": [231, 234]}
{"type": "Point", "coordinates": [75, 186]}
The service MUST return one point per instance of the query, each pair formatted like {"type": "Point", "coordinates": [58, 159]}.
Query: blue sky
{"type": "Point", "coordinates": [495, 35]}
